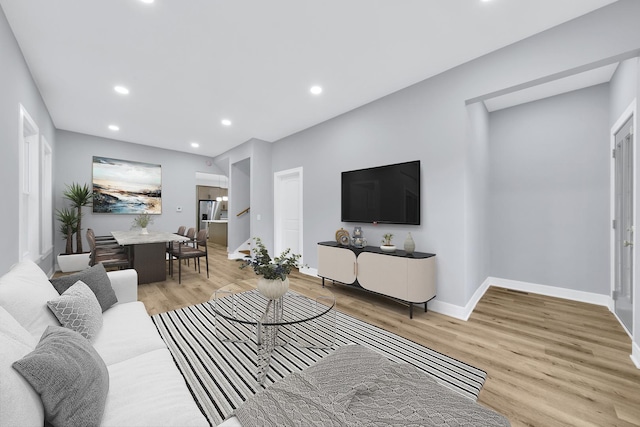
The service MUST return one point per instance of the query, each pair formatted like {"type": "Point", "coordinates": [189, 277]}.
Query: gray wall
{"type": "Point", "coordinates": [73, 163]}
{"type": "Point", "coordinates": [549, 191]}
{"type": "Point", "coordinates": [429, 121]}
{"type": "Point", "coordinates": [252, 188]}
{"type": "Point", "coordinates": [17, 87]}
{"type": "Point", "coordinates": [476, 196]}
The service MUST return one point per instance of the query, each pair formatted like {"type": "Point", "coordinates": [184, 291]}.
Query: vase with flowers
{"type": "Point", "coordinates": [142, 221]}
{"type": "Point", "coordinates": [274, 273]}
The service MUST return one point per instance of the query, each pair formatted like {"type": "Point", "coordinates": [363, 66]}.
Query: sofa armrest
{"type": "Point", "coordinates": [125, 284]}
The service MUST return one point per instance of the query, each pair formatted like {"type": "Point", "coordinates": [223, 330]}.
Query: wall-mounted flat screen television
{"type": "Point", "coordinates": [384, 194]}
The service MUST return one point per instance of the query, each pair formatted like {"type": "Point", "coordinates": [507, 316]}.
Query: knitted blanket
{"type": "Point", "coordinates": [356, 386]}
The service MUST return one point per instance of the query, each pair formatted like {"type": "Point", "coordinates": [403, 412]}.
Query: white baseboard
{"type": "Point", "coordinates": [635, 354]}
{"type": "Point", "coordinates": [309, 271]}
{"type": "Point", "coordinates": [552, 291]}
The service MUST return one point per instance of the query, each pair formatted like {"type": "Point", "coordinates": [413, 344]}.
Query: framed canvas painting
{"type": "Point", "coordinates": [126, 187]}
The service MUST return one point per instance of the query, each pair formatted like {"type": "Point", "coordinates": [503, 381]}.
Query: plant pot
{"type": "Point", "coordinates": [73, 262]}
{"type": "Point", "coordinates": [273, 289]}
{"type": "Point", "coordinates": [388, 248]}
{"type": "Point", "coordinates": [144, 230]}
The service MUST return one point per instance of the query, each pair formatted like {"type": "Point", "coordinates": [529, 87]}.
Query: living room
{"type": "Point", "coordinates": [501, 204]}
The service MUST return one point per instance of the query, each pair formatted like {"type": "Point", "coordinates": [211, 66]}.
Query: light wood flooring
{"type": "Point", "coordinates": [550, 362]}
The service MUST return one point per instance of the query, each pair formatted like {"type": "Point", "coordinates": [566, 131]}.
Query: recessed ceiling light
{"type": "Point", "coordinates": [226, 122]}
{"type": "Point", "coordinates": [316, 90]}
{"type": "Point", "coordinates": [114, 127]}
{"type": "Point", "coordinates": [147, 1]}
{"type": "Point", "coordinates": [195, 145]}
{"type": "Point", "coordinates": [121, 90]}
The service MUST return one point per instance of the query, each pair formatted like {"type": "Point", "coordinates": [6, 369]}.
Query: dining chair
{"type": "Point", "coordinates": [106, 255]}
{"type": "Point", "coordinates": [186, 252]}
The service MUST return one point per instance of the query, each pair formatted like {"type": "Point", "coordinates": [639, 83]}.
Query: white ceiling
{"type": "Point", "coordinates": [190, 63]}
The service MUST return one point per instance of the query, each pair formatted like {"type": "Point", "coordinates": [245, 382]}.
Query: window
{"type": "Point", "coordinates": [29, 205]}
{"type": "Point", "coordinates": [46, 203]}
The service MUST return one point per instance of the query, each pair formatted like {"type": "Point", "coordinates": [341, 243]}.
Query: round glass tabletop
{"type": "Point", "coordinates": [251, 307]}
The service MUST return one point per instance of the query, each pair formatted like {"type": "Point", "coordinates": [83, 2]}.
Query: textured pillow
{"type": "Point", "coordinates": [96, 278]}
{"type": "Point", "coordinates": [70, 377]}
{"type": "Point", "coordinates": [78, 309]}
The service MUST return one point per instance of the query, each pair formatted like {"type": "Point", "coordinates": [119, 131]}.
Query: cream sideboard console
{"type": "Point", "coordinates": [408, 278]}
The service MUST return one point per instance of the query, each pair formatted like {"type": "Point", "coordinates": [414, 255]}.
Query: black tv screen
{"type": "Point", "coordinates": [385, 194]}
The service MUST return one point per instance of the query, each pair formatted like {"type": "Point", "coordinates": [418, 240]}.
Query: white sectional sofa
{"type": "Point", "coordinates": [145, 387]}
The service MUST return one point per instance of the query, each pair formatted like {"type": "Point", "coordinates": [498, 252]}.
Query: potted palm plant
{"type": "Point", "coordinates": [71, 223]}
{"type": "Point", "coordinates": [274, 273]}
{"type": "Point", "coordinates": [80, 196]}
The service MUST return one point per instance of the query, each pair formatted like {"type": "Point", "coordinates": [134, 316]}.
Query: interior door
{"type": "Point", "coordinates": [288, 211]}
{"type": "Point", "coordinates": [624, 227]}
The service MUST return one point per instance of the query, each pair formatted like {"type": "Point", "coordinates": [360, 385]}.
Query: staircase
{"type": "Point", "coordinates": [243, 251]}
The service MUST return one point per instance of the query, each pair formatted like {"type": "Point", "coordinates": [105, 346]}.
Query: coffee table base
{"type": "Point", "coordinates": [265, 325]}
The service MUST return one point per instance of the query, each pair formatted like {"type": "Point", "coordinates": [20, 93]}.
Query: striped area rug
{"type": "Point", "coordinates": [220, 374]}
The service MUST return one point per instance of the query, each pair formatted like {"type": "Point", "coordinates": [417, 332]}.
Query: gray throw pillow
{"type": "Point", "coordinates": [78, 309]}
{"type": "Point", "coordinates": [96, 278]}
{"type": "Point", "coordinates": [70, 377]}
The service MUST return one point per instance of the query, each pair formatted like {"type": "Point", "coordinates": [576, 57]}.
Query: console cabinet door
{"type": "Point", "coordinates": [337, 264]}
{"type": "Point", "coordinates": [384, 274]}
{"type": "Point", "coordinates": [421, 279]}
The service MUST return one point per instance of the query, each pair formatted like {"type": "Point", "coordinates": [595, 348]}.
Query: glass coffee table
{"type": "Point", "coordinates": [292, 319]}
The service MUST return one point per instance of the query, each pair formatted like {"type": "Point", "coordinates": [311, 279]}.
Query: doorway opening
{"type": "Point", "coordinates": [623, 212]}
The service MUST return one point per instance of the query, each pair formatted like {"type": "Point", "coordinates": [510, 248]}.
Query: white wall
{"type": "Point", "coordinates": [17, 87]}
{"type": "Point", "coordinates": [477, 236]}
{"type": "Point", "coordinates": [549, 209]}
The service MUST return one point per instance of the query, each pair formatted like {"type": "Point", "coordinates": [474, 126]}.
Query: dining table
{"type": "Point", "coordinates": [148, 252]}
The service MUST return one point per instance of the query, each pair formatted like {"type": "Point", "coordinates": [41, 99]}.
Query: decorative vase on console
{"type": "Point", "coordinates": [409, 244]}
{"type": "Point", "coordinates": [357, 239]}
{"type": "Point", "coordinates": [273, 282]}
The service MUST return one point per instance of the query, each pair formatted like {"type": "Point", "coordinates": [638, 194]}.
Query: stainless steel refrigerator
{"type": "Point", "coordinates": [207, 210]}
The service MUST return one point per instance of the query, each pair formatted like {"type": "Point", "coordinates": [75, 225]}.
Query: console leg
{"type": "Point", "coordinates": [323, 282]}
{"type": "Point", "coordinates": [410, 310]}
{"type": "Point", "coordinates": [425, 306]}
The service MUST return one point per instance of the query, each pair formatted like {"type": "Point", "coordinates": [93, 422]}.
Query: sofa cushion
{"type": "Point", "coordinates": [78, 309]}
{"type": "Point", "coordinates": [10, 327]}
{"type": "Point", "coordinates": [19, 403]}
{"type": "Point", "coordinates": [70, 377]}
{"type": "Point", "coordinates": [96, 278]}
{"type": "Point", "coordinates": [148, 390]}
{"type": "Point", "coordinates": [24, 292]}
{"type": "Point", "coordinates": [127, 331]}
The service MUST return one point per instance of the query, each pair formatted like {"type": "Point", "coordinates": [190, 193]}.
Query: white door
{"type": "Point", "coordinates": [623, 225]}
{"type": "Point", "coordinates": [288, 211]}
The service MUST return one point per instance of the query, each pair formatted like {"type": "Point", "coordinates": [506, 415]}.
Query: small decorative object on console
{"type": "Point", "coordinates": [387, 246]}
{"type": "Point", "coordinates": [409, 244]}
{"type": "Point", "coordinates": [342, 237]}
{"type": "Point", "coordinates": [358, 239]}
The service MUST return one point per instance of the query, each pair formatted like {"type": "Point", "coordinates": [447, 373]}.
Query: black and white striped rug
{"type": "Point", "coordinates": [220, 374]}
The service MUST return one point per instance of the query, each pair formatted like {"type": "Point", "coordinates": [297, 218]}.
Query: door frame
{"type": "Point", "coordinates": [630, 111]}
{"type": "Point", "coordinates": [277, 220]}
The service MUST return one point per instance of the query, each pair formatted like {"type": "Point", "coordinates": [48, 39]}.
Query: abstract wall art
{"type": "Point", "coordinates": [126, 187]}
